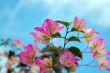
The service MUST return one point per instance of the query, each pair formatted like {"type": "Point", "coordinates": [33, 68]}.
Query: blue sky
{"type": "Point", "coordinates": [19, 17]}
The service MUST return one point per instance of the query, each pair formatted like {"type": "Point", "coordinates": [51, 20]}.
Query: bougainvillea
{"type": "Point", "coordinates": [12, 62]}
{"type": "Point", "coordinates": [53, 58]}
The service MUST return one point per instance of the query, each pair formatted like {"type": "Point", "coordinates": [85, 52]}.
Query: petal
{"type": "Point", "coordinates": [108, 69]}
{"type": "Point", "coordinates": [75, 20]}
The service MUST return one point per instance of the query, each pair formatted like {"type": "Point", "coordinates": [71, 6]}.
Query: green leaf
{"type": "Point", "coordinates": [58, 70]}
{"type": "Point", "coordinates": [53, 51]}
{"type": "Point", "coordinates": [21, 65]}
{"type": "Point", "coordinates": [66, 68]}
{"type": "Point", "coordinates": [57, 35]}
{"type": "Point", "coordinates": [73, 38]}
{"type": "Point", "coordinates": [11, 53]}
{"type": "Point", "coordinates": [63, 22]}
{"type": "Point", "coordinates": [10, 70]}
{"type": "Point", "coordinates": [49, 49]}
{"type": "Point", "coordinates": [5, 43]}
{"type": "Point", "coordinates": [76, 51]}
{"type": "Point", "coordinates": [73, 29]}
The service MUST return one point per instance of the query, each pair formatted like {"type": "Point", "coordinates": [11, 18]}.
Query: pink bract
{"type": "Point", "coordinates": [97, 43]}
{"type": "Point", "coordinates": [67, 59]}
{"type": "Point", "coordinates": [17, 42]}
{"type": "Point", "coordinates": [45, 65]}
{"type": "Point", "coordinates": [104, 63]}
{"type": "Point", "coordinates": [79, 24]}
{"type": "Point", "coordinates": [44, 33]}
{"type": "Point", "coordinates": [89, 34]}
{"type": "Point", "coordinates": [28, 55]}
{"type": "Point", "coordinates": [51, 26]}
{"type": "Point", "coordinates": [40, 37]}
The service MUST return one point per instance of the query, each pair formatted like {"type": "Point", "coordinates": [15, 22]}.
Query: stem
{"type": "Point", "coordinates": [86, 52]}
{"type": "Point", "coordinates": [51, 42]}
{"type": "Point", "coordinates": [85, 48]}
{"type": "Point", "coordinates": [90, 62]}
{"type": "Point", "coordinates": [89, 65]}
{"type": "Point", "coordinates": [59, 37]}
{"type": "Point", "coordinates": [65, 38]}
{"type": "Point", "coordinates": [78, 34]}
{"type": "Point", "coordinates": [58, 70]}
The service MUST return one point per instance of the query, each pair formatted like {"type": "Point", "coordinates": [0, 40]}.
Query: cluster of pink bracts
{"type": "Point", "coordinates": [96, 44]}
{"type": "Point", "coordinates": [66, 58]}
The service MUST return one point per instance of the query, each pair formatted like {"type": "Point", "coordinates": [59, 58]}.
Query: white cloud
{"type": "Point", "coordinates": [104, 7]}
{"type": "Point", "coordinates": [81, 8]}
{"type": "Point", "coordinates": [57, 9]}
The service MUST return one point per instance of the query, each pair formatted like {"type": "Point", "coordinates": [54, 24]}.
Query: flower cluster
{"type": "Point", "coordinates": [10, 56]}
{"type": "Point", "coordinates": [45, 33]}
{"type": "Point", "coordinates": [98, 50]}
{"type": "Point", "coordinates": [96, 45]}
{"type": "Point", "coordinates": [53, 58]}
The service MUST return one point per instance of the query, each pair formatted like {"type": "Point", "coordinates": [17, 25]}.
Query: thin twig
{"type": "Point", "coordinates": [85, 52]}
{"type": "Point", "coordinates": [65, 38]}
{"type": "Point", "coordinates": [59, 37]}
{"type": "Point", "coordinates": [78, 34]}
{"type": "Point", "coordinates": [89, 65]}
{"type": "Point", "coordinates": [86, 48]}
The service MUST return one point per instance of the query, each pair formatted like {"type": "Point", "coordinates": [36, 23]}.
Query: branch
{"type": "Point", "coordinates": [86, 49]}
{"type": "Point", "coordinates": [78, 34]}
{"type": "Point", "coordinates": [95, 66]}
{"type": "Point", "coordinates": [65, 38]}
{"type": "Point", "coordinates": [89, 64]}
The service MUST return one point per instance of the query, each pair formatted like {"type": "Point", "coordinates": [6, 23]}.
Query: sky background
{"type": "Point", "coordinates": [19, 17]}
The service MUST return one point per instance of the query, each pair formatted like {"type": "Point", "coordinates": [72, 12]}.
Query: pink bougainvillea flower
{"type": "Point", "coordinates": [43, 30]}
{"type": "Point", "coordinates": [51, 26]}
{"type": "Point", "coordinates": [89, 34]}
{"type": "Point", "coordinates": [45, 65]}
{"type": "Point", "coordinates": [97, 43]}
{"type": "Point", "coordinates": [68, 60]}
{"type": "Point", "coordinates": [44, 33]}
{"type": "Point", "coordinates": [44, 38]}
{"type": "Point", "coordinates": [99, 53]}
{"type": "Point", "coordinates": [97, 48]}
{"type": "Point", "coordinates": [104, 63]}
{"type": "Point", "coordinates": [17, 42]}
{"type": "Point", "coordinates": [28, 55]}
{"type": "Point", "coordinates": [79, 24]}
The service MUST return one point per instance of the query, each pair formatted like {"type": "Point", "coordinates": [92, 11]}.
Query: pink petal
{"type": "Point", "coordinates": [107, 53]}
{"type": "Point", "coordinates": [108, 69]}
{"type": "Point", "coordinates": [75, 19]}
{"type": "Point", "coordinates": [60, 28]}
